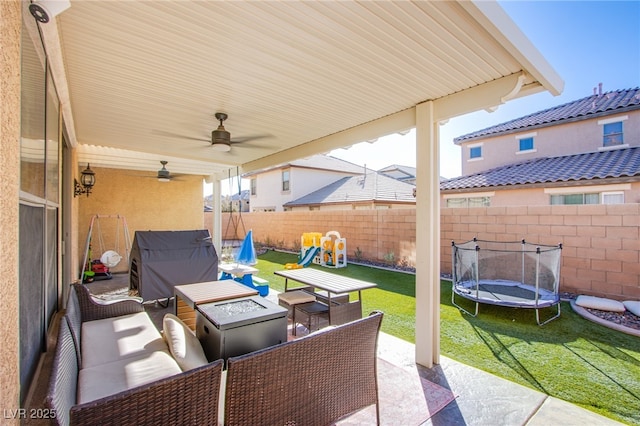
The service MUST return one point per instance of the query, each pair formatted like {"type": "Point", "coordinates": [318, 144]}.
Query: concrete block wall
{"type": "Point", "coordinates": [601, 243]}
{"type": "Point", "coordinates": [375, 234]}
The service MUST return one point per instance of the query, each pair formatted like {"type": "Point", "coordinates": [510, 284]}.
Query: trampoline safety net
{"type": "Point", "coordinates": [513, 273]}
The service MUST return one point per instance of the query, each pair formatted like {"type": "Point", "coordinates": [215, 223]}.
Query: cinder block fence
{"type": "Point", "coordinates": [601, 243]}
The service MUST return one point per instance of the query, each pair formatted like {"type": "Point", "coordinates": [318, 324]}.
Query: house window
{"type": "Point", "coordinates": [469, 202]}
{"type": "Point", "coordinates": [612, 134]}
{"type": "Point", "coordinates": [612, 197]}
{"type": "Point", "coordinates": [254, 186]}
{"type": "Point", "coordinates": [475, 152]}
{"type": "Point", "coordinates": [571, 199]}
{"type": "Point", "coordinates": [285, 180]}
{"type": "Point", "coordinates": [526, 144]}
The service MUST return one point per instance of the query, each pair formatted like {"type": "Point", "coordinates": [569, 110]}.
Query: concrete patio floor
{"type": "Point", "coordinates": [482, 398]}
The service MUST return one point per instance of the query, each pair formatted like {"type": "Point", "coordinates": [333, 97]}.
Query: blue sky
{"type": "Point", "coordinates": [586, 42]}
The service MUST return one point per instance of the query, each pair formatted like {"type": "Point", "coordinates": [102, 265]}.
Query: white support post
{"type": "Point", "coordinates": [427, 326]}
{"type": "Point", "coordinates": [217, 216]}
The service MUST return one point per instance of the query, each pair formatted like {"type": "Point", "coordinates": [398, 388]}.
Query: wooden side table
{"type": "Point", "coordinates": [188, 296]}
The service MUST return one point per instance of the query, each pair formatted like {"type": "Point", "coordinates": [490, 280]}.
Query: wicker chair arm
{"type": "Point", "coordinates": [94, 310]}
{"type": "Point", "coordinates": [189, 398]}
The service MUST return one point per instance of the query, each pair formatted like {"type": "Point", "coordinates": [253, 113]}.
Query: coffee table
{"type": "Point", "coordinates": [189, 296]}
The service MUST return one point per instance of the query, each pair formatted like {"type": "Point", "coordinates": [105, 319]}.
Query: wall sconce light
{"type": "Point", "coordinates": [45, 10]}
{"type": "Point", "coordinates": [87, 180]}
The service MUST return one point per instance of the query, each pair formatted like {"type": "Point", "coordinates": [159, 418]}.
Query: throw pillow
{"type": "Point", "coordinates": [600, 303]}
{"type": "Point", "coordinates": [183, 343]}
{"type": "Point", "coordinates": [632, 306]}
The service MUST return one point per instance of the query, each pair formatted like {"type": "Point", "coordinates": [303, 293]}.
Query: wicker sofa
{"type": "Point", "coordinates": [112, 366]}
{"type": "Point", "coordinates": [314, 380]}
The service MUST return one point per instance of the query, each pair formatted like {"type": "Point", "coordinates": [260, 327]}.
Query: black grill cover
{"type": "Point", "coordinates": [161, 260]}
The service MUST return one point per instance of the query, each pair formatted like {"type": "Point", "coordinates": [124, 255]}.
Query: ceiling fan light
{"type": "Point", "coordinates": [164, 179]}
{"type": "Point", "coordinates": [220, 146]}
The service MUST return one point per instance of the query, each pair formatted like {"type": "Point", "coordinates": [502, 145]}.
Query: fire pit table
{"type": "Point", "coordinates": [239, 326]}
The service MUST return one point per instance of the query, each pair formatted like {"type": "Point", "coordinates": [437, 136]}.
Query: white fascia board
{"type": "Point", "coordinates": [393, 123]}
{"type": "Point", "coordinates": [496, 21]}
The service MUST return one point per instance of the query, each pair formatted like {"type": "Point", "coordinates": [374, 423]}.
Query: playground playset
{"type": "Point", "coordinates": [329, 250]}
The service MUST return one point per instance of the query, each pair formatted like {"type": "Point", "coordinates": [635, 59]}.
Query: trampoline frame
{"type": "Point", "coordinates": [472, 292]}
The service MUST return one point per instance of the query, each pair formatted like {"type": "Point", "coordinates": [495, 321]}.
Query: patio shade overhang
{"type": "Point", "coordinates": [307, 77]}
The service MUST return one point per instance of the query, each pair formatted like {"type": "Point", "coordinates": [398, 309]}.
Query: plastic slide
{"type": "Point", "coordinates": [306, 259]}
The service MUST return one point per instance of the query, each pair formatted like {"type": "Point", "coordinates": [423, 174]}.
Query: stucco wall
{"type": "Point", "coordinates": [10, 16]}
{"type": "Point", "coordinates": [563, 139]}
{"type": "Point", "coordinates": [145, 203]}
{"type": "Point", "coordinates": [601, 243]}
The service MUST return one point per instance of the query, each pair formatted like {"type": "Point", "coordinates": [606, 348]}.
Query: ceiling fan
{"type": "Point", "coordinates": [164, 175]}
{"type": "Point", "coordinates": [220, 137]}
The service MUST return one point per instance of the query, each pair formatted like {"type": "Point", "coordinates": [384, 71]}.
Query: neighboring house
{"type": "Point", "coordinates": [582, 152]}
{"type": "Point", "coordinates": [272, 188]}
{"type": "Point", "coordinates": [371, 190]}
{"type": "Point", "coordinates": [402, 173]}
{"type": "Point", "coordinates": [599, 177]}
{"type": "Point", "coordinates": [234, 202]}
{"type": "Point", "coordinates": [599, 122]}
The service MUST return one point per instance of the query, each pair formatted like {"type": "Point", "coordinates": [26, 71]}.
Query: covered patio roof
{"type": "Point", "coordinates": [307, 77]}
{"type": "Point", "coordinates": [299, 77]}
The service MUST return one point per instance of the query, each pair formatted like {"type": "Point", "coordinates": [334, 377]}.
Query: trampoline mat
{"type": "Point", "coordinates": [507, 293]}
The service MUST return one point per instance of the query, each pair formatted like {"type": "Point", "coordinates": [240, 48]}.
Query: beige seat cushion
{"type": "Point", "coordinates": [116, 338]}
{"type": "Point", "coordinates": [183, 343]}
{"type": "Point", "coordinates": [296, 297]}
{"type": "Point", "coordinates": [114, 377]}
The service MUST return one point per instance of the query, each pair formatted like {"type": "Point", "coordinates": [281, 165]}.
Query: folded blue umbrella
{"type": "Point", "coordinates": [247, 253]}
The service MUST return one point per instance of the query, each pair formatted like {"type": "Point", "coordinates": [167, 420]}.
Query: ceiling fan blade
{"type": "Point", "coordinates": [249, 138]}
{"type": "Point", "coordinates": [179, 136]}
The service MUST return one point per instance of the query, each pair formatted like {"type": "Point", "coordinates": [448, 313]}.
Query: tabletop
{"type": "Point", "coordinates": [325, 280]}
{"type": "Point", "coordinates": [236, 268]}
{"type": "Point", "coordinates": [212, 291]}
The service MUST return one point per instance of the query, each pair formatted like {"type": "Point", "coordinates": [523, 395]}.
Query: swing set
{"type": "Point", "coordinates": [96, 269]}
{"type": "Point", "coordinates": [227, 246]}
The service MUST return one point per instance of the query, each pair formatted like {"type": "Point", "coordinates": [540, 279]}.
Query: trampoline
{"type": "Point", "coordinates": [513, 274]}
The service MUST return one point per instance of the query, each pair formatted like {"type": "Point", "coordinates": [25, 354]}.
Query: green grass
{"type": "Point", "coordinates": [570, 358]}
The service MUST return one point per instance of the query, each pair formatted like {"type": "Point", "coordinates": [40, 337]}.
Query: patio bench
{"type": "Point", "coordinates": [112, 366]}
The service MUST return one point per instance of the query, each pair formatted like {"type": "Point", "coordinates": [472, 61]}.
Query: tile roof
{"type": "Point", "coordinates": [615, 163]}
{"type": "Point", "coordinates": [589, 107]}
{"type": "Point", "coordinates": [375, 187]}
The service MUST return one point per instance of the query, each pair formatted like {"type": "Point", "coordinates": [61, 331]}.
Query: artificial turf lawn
{"type": "Point", "coordinates": [570, 358]}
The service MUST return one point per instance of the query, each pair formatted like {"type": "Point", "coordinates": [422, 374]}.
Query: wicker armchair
{"type": "Point", "coordinates": [314, 380]}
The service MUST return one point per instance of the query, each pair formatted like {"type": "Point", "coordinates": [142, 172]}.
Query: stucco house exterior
{"type": "Point", "coordinates": [371, 190]}
{"type": "Point", "coordinates": [272, 188]}
{"type": "Point", "coordinates": [581, 152]}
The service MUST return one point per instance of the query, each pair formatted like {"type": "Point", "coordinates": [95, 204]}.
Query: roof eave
{"type": "Point", "coordinates": [496, 21]}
